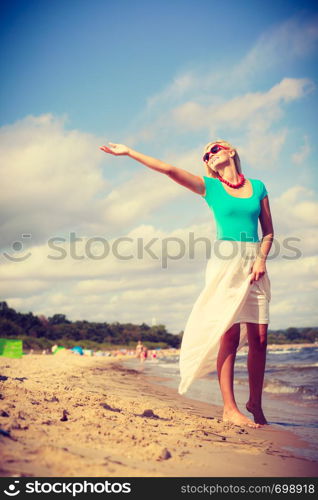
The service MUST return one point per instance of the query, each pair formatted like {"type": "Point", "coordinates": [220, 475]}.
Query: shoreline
{"type": "Point", "coordinates": [171, 351]}
{"type": "Point", "coordinates": [77, 416]}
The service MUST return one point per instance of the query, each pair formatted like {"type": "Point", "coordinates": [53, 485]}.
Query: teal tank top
{"type": "Point", "coordinates": [236, 218]}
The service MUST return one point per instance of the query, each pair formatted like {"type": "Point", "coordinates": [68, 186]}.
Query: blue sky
{"type": "Point", "coordinates": [165, 78]}
{"type": "Point", "coordinates": [79, 57]}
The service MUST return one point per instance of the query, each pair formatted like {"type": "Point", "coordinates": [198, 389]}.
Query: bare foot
{"type": "Point", "coordinates": [237, 418]}
{"type": "Point", "coordinates": [257, 411]}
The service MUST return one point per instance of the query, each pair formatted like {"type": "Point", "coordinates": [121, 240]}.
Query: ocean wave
{"type": "Point", "coordinates": [284, 351]}
{"type": "Point", "coordinates": [172, 366]}
{"type": "Point", "coordinates": [287, 366]}
{"type": "Point", "coordinates": [282, 387]}
{"type": "Point", "coordinates": [240, 365]}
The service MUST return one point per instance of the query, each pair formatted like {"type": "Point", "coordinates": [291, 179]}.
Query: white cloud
{"type": "Point", "coordinates": [265, 107]}
{"type": "Point", "coordinates": [50, 177]}
{"type": "Point", "coordinates": [52, 184]}
{"type": "Point", "coordinates": [195, 97]}
{"type": "Point", "coordinates": [294, 286]}
{"type": "Point", "coordinates": [23, 287]}
{"type": "Point", "coordinates": [175, 90]}
{"type": "Point", "coordinates": [137, 197]}
{"type": "Point", "coordinates": [262, 149]}
{"type": "Point", "coordinates": [253, 113]}
{"type": "Point", "coordinates": [297, 208]}
{"type": "Point", "coordinates": [292, 39]}
{"type": "Point", "coordinates": [303, 152]}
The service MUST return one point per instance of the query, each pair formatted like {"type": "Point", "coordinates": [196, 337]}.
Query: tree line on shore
{"type": "Point", "coordinates": [40, 332]}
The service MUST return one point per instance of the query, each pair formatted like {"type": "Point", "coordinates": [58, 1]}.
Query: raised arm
{"type": "Point", "coordinates": [193, 182]}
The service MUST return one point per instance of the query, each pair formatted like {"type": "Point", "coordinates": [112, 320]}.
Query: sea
{"type": "Point", "coordinates": [290, 390]}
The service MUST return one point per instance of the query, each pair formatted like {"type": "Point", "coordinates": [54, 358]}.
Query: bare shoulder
{"type": "Point", "coordinates": [206, 182]}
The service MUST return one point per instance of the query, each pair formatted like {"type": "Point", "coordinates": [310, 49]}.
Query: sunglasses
{"type": "Point", "coordinates": [215, 149]}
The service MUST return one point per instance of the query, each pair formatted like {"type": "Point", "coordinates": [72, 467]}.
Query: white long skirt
{"type": "Point", "coordinates": [227, 298]}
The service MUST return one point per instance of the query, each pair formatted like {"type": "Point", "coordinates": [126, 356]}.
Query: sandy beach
{"type": "Point", "coordinates": [81, 416]}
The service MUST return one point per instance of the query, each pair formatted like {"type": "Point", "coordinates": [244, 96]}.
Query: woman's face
{"type": "Point", "coordinates": [218, 159]}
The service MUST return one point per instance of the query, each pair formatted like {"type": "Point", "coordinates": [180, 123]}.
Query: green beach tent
{"type": "Point", "coordinates": [11, 348]}
{"type": "Point", "coordinates": [58, 349]}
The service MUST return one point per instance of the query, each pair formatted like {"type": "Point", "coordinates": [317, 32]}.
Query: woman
{"type": "Point", "coordinates": [234, 304]}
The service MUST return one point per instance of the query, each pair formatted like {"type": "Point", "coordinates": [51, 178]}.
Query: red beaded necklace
{"type": "Point", "coordinates": [239, 184]}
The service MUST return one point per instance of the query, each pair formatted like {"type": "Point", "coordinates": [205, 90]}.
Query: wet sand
{"type": "Point", "coordinates": [78, 416]}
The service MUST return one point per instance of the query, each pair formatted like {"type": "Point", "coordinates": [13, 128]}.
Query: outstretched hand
{"type": "Point", "coordinates": [115, 149]}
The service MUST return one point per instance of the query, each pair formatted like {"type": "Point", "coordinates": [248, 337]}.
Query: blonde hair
{"type": "Point", "coordinates": [209, 170]}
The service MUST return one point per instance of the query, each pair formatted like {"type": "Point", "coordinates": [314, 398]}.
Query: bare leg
{"type": "Point", "coordinates": [225, 367]}
{"type": "Point", "coordinates": [256, 361]}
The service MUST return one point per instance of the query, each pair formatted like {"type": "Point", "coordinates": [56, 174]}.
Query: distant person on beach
{"type": "Point", "coordinates": [144, 354]}
{"type": "Point", "coordinates": [233, 306]}
{"type": "Point", "coordinates": [139, 347]}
